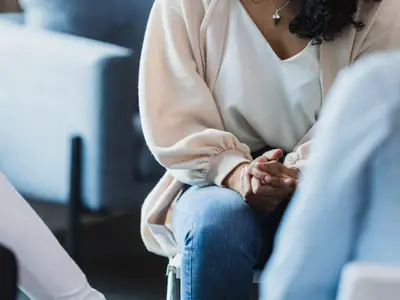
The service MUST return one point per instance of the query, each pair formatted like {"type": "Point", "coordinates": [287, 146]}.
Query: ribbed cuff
{"type": "Point", "coordinates": [223, 164]}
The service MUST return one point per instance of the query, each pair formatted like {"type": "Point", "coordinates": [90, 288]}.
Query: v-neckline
{"type": "Point", "coordinates": [255, 27]}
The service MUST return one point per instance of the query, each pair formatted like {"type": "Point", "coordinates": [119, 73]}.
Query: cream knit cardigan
{"type": "Point", "coordinates": [180, 61]}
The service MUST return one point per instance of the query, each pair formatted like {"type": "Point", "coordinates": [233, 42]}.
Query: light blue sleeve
{"type": "Point", "coordinates": [321, 226]}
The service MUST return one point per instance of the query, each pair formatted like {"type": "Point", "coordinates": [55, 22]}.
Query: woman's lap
{"type": "Point", "coordinates": [217, 210]}
{"type": "Point", "coordinates": [223, 211]}
{"type": "Point", "coordinates": [222, 239]}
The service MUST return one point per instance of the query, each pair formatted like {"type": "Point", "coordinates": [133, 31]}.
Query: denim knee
{"type": "Point", "coordinates": [212, 218]}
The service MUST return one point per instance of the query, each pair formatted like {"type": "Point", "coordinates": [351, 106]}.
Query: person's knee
{"type": "Point", "coordinates": [221, 219]}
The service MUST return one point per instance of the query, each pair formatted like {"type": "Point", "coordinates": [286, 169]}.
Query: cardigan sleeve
{"type": "Point", "coordinates": [298, 158]}
{"type": "Point", "coordinates": [180, 119]}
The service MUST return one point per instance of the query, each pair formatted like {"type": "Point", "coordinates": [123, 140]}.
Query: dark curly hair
{"type": "Point", "coordinates": [323, 20]}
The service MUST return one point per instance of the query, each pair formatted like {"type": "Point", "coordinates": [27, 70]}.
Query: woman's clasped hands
{"type": "Point", "coordinates": [266, 182]}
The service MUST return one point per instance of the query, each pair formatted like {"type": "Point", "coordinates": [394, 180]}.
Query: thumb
{"type": "Point", "coordinates": [273, 154]}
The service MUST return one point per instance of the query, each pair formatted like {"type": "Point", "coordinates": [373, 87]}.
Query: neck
{"type": "Point", "coordinates": [296, 5]}
{"type": "Point", "coordinates": [280, 3]}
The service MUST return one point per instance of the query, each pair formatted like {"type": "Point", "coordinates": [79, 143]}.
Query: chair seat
{"type": "Point", "coordinates": [176, 263]}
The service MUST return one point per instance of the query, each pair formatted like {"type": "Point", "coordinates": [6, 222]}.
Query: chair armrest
{"type": "Point", "coordinates": [54, 86]}
{"type": "Point", "coordinates": [369, 282]}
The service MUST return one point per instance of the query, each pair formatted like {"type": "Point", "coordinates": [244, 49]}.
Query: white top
{"type": "Point", "coordinates": [276, 101]}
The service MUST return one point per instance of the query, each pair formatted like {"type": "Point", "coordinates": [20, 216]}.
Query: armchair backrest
{"type": "Point", "coordinates": [120, 22]}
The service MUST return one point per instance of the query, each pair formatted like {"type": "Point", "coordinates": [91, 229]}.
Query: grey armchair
{"type": "Point", "coordinates": [68, 106]}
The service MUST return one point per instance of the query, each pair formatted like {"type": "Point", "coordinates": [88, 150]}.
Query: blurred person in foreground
{"type": "Point", "coordinates": [45, 270]}
{"type": "Point", "coordinates": [347, 207]}
{"type": "Point", "coordinates": [220, 82]}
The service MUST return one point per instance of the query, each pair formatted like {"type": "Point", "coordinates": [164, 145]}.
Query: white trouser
{"type": "Point", "coordinates": [45, 269]}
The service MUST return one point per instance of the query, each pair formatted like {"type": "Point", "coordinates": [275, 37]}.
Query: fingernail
{"type": "Point", "coordinates": [288, 181]}
{"type": "Point", "coordinates": [267, 179]}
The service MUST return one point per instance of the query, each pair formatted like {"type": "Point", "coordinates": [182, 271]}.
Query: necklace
{"type": "Point", "coordinates": [277, 16]}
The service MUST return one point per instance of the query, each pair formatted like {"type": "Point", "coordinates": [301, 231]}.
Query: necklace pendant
{"type": "Point", "coordinates": [276, 17]}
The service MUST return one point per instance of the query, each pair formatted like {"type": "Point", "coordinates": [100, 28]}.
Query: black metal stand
{"type": "Point", "coordinates": [75, 206]}
{"type": "Point", "coordinates": [8, 275]}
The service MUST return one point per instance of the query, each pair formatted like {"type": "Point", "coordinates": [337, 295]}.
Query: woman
{"type": "Point", "coordinates": [358, 217]}
{"type": "Point", "coordinates": [46, 272]}
{"type": "Point", "coordinates": [221, 81]}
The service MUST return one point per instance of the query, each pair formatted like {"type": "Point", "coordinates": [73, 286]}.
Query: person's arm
{"type": "Point", "coordinates": [318, 234]}
{"type": "Point", "coordinates": [181, 123]}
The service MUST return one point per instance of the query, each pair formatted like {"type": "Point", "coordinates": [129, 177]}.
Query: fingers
{"type": "Point", "coordinates": [256, 184]}
{"type": "Point", "coordinates": [292, 172]}
{"type": "Point", "coordinates": [264, 197]}
{"type": "Point", "coordinates": [261, 159]}
{"type": "Point", "coordinates": [253, 170]}
{"type": "Point", "coordinates": [273, 154]}
{"type": "Point", "coordinates": [272, 167]}
{"type": "Point", "coordinates": [288, 176]}
{"type": "Point", "coordinates": [290, 182]}
{"type": "Point", "coordinates": [258, 170]}
{"type": "Point", "coordinates": [265, 184]}
{"type": "Point", "coordinates": [261, 174]}
{"type": "Point", "coordinates": [270, 191]}
{"type": "Point", "coordinates": [247, 191]}
{"type": "Point", "coordinates": [274, 181]}
{"type": "Point", "coordinates": [276, 176]}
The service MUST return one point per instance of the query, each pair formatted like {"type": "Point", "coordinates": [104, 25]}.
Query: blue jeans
{"type": "Point", "coordinates": [222, 239]}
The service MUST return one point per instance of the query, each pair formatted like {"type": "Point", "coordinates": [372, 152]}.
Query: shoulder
{"type": "Point", "coordinates": [389, 13]}
{"type": "Point", "coordinates": [384, 14]}
{"type": "Point", "coordinates": [381, 30]}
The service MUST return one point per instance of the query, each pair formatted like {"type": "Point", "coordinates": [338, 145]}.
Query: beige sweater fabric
{"type": "Point", "coordinates": [182, 53]}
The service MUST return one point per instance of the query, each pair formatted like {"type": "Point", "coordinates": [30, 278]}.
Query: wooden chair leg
{"type": "Point", "coordinates": [173, 286]}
